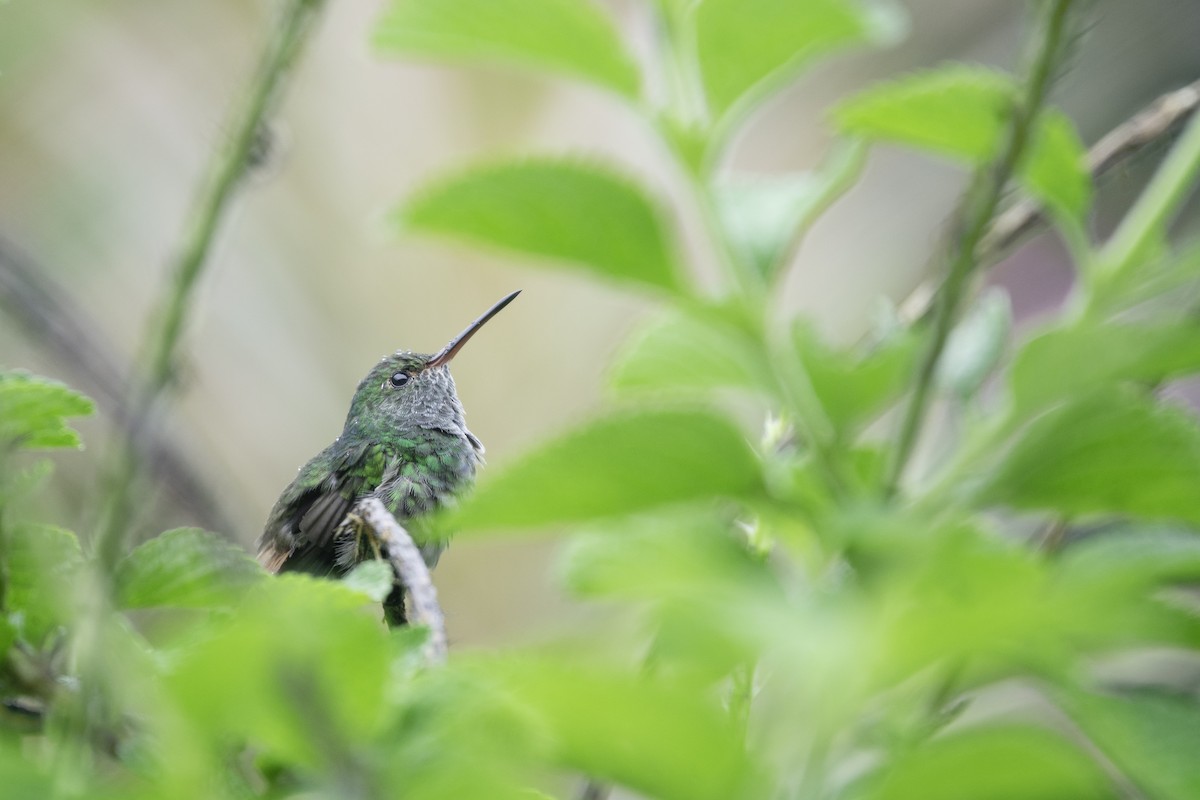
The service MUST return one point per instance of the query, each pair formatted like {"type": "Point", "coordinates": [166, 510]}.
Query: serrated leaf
{"type": "Point", "coordinates": [746, 45]}
{"type": "Point", "coordinates": [981, 762]}
{"type": "Point", "coordinates": [566, 36]}
{"type": "Point", "coordinates": [976, 344]}
{"type": "Point", "coordinates": [184, 568]}
{"type": "Point", "coordinates": [659, 739]}
{"type": "Point", "coordinates": [1074, 361]}
{"type": "Point", "coordinates": [763, 216]}
{"type": "Point", "coordinates": [854, 387]}
{"type": "Point", "coordinates": [686, 351]}
{"type": "Point", "coordinates": [566, 210]}
{"type": "Point", "coordinates": [372, 578]}
{"type": "Point", "coordinates": [1151, 737]}
{"type": "Point", "coordinates": [42, 566]}
{"type": "Point", "coordinates": [619, 465]}
{"type": "Point", "coordinates": [961, 111]}
{"type": "Point", "coordinates": [34, 410]}
{"type": "Point", "coordinates": [1115, 451]}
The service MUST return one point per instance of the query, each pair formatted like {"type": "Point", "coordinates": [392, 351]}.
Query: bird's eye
{"type": "Point", "coordinates": [398, 379]}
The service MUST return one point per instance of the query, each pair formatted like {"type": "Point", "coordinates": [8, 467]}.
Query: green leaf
{"type": "Point", "coordinates": [1151, 737]}
{"type": "Point", "coordinates": [976, 344]}
{"type": "Point", "coordinates": [42, 569]}
{"type": "Point", "coordinates": [655, 737]}
{"type": "Point", "coordinates": [1130, 559]}
{"type": "Point", "coordinates": [1055, 169]}
{"type": "Point", "coordinates": [372, 578]}
{"type": "Point", "coordinates": [619, 465]}
{"type": "Point", "coordinates": [555, 208]}
{"type": "Point", "coordinates": [33, 411]}
{"type": "Point", "coordinates": [746, 45]}
{"type": "Point", "coordinates": [688, 351]}
{"type": "Point", "coordinates": [1114, 451]}
{"type": "Point", "coordinates": [184, 568]}
{"type": "Point", "coordinates": [764, 216]}
{"type": "Point", "coordinates": [994, 763]}
{"type": "Point", "coordinates": [854, 387]}
{"type": "Point", "coordinates": [1078, 360]}
{"type": "Point", "coordinates": [961, 111]}
{"type": "Point", "coordinates": [565, 36]}
{"type": "Point", "coordinates": [299, 666]}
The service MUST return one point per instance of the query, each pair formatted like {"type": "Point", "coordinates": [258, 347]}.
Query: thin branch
{"type": "Point", "coordinates": [228, 167]}
{"type": "Point", "coordinates": [409, 565]}
{"type": "Point", "coordinates": [1160, 121]}
{"type": "Point", "coordinates": [54, 321]}
{"type": "Point", "coordinates": [976, 213]}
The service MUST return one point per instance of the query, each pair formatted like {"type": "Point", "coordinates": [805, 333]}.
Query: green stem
{"type": "Point", "coordinates": [978, 208]}
{"type": "Point", "coordinates": [1145, 224]}
{"type": "Point", "coordinates": [229, 165]}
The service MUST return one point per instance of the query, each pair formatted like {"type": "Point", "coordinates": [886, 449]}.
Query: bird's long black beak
{"type": "Point", "coordinates": [451, 350]}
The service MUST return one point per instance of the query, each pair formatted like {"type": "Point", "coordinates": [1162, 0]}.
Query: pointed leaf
{"type": "Point", "coordinates": [1064, 362]}
{"type": "Point", "coordinates": [373, 578]}
{"type": "Point", "coordinates": [33, 411]}
{"type": "Point", "coordinates": [184, 568]}
{"type": "Point", "coordinates": [1152, 738]}
{"type": "Point", "coordinates": [961, 111]}
{"type": "Point", "coordinates": [555, 208]}
{"type": "Point", "coordinates": [976, 344]}
{"type": "Point", "coordinates": [686, 351]}
{"type": "Point", "coordinates": [763, 216]}
{"type": "Point", "coordinates": [746, 45]}
{"type": "Point", "coordinates": [1113, 451]}
{"type": "Point", "coordinates": [565, 36]}
{"type": "Point", "coordinates": [618, 465]}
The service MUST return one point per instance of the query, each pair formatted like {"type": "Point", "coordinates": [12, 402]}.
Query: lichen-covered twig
{"type": "Point", "coordinates": [409, 565]}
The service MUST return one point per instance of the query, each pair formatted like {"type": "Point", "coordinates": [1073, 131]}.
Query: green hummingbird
{"type": "Point", "coordinates": [406, 442]}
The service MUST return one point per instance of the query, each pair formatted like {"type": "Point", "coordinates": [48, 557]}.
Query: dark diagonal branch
{"type": "Point", "coordinates": [975, 215]}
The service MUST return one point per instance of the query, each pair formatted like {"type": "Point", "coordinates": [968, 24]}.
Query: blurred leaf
{"type": "Point", "coordinates": [657, 738]}
{"type": "Point", "coordinates": [42, 566]}
{"type": "Point", "coordinates": [743, 43]}
{"type": "Point", "coordinates": [619, 465]}
{"type": "Point", "coordinates": [557, 208]}
{"type": "Point", "coordinates": [688, 351]}
{"type": "Point", "coordinates": [855, 387]}
{"type": "Point", "coordinates": [184, 568]}
{"type": "Point", "coordinates": [994, 763]}
{"type": "Point", "coordinates": [763, 216]}
{"type": "Point", "coordinates": [1151, 737]}
{"type": "Point", "coordinates": [565, 36]}
{"type": "Point", "coordinates": [960, 111]}
{"type": "Point", "coordinates": [976, 344]}
{"type": "Point", "coordinates": [1130, 559]}
{"type": "Point", "coordinates": [300, 666]}
{"type": "Point", "coordinates": [1055, 170]}
{"type": "Point", "coordinates": [372, 578]}
{"type": "Point", "coordinates": [1111, 451]}
{"type": "Point", "coordinates": [33, 411]}
{"type": "Point", "coordinates": [1084, 358]}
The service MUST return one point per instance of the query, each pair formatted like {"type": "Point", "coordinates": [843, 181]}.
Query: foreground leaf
{"type": "Point", "coordinates": [616, 466]}
{"type": "Point", "coordinates": [1116, 451]}
{"type": "Point", "coordinates": [565, 36]}
{"type": "Point", "coordinates": [33, 411]}
{"type": "Point", "coordinates": [42, 573]}
{"type": "Point", "coordinates": [1151, 737]}
{"type": "Point", "coordinates": [581, 213]}
{"type": "Point", "coordinates": [184, 568]}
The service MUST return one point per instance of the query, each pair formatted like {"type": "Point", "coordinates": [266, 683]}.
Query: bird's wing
{"type": "Point", "coordinates": [300, 529]}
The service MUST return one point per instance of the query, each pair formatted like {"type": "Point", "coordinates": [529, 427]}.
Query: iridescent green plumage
{"type": "Point", "coordinates": [406, 442]}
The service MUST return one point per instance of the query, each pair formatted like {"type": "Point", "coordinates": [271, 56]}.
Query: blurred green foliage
{"type": "Point", "coordinates": [801, 629]}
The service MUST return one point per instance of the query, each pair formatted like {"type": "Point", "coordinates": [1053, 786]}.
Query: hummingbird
{"type": "Point", "coordinates": [406, 442]}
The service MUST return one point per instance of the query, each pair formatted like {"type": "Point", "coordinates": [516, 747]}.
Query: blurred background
{"type": "Point", "coordinates": [109, 112]}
